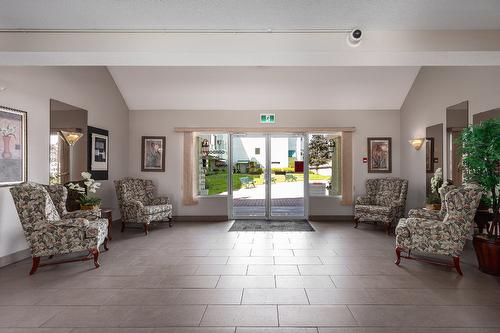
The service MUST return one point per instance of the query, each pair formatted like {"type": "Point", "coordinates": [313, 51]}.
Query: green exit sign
{"type": "Point", "coordinates": [267, 118]}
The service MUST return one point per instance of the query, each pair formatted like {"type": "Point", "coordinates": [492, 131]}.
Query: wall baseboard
{"type": "Point", "coordinates": [201, 218]}
{"type": "Point", "coordinates": [331, 218]}
{"type": "Point", "coordinates": [14, 257]}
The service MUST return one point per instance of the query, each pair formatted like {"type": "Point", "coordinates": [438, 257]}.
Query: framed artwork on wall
{"type": "Point", "coordinates": [13, 146]}
{"type": "Point", "coordinates": [98, 153]}
{"type": "Point", "coordinates": [153, 154]}
{"type": "Point", "coordinates": [379, 155]}
{"type": "Point", "coordinates": [429, 155]}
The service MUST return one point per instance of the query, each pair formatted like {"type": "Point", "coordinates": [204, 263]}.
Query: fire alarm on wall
{"type": "Point", "coordinates": [365, 159]}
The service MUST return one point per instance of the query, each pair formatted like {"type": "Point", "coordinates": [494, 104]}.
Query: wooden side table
{"type": "Point", "coordinates": [107, 213]}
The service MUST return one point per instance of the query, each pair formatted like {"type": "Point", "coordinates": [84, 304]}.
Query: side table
{"type": "Point", "coordinates": [107, 213]}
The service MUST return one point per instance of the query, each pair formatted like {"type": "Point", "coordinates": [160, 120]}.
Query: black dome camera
{"type": "Point", "coordinates": [355, 36]}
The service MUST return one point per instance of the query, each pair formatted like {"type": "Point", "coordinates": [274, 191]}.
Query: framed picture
{"type": "Point", "coordinates": [429, 155]}
{"type": "Point", "coordinates": [98, 153]}
{"type": "Point", "coordinates": [379, 155]}
{"type": "Point", "coordinates": [153, 153]}
{"type": "Point", "coordinates": [13, 147]}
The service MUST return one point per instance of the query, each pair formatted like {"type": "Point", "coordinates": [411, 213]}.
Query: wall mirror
{"type": "Point", "coordinates": [490, 114]}
{"type": "Point", "coordinates": [433, 152]}
{"type": "Point", "coordinates": [457, 118]}
{"type": "Point", "coordinates": [68, 142]}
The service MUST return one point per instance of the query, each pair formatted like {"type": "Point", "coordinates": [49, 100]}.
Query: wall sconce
{"type": "Point", "coordinates": [417, 143]}
{"type": "Point", "coordinates": [71, 137]}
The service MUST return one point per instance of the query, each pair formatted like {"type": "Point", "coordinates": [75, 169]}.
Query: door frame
{"type": "Point", "coordinates": [267, 176]}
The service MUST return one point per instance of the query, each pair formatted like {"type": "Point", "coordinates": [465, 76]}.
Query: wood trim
{"type": "Point", "coordinates": [331, 218]}
{"type": "Point", "coordinates": [347, 178]}
{"type": "Point", "coordinates": [200, 218]}
{"type": "Point", "coordinates": [265, 129]}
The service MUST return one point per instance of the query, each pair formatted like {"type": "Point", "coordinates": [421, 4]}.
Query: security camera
{"type": "Point", "coordinates": [354, 38]}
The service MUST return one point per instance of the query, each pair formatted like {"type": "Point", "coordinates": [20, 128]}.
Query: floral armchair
{"type": "Point", "coordinates": [59, 196]}
{"type": "Point", "coordinates": [442, 237]}
{"type": "Point", "coordinates": [48, 234]}
{"type": "Point", "coordinates": [384, 201]}
{"type": "Point", "coordinates": [138, 204]}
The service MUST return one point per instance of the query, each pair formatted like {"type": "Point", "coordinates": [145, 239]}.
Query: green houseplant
{"type": "Point", "coordinates": [480, 148]}
{"type": "Point", "coordinates": [87, 202]}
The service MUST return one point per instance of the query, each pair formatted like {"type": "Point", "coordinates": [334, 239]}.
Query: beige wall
{"type": "Point", "coordinates": [435, 89]}
{"type": "Point", "coordinates": [30, 89]}
{"type": "Point", "coordinates": [367, 123]}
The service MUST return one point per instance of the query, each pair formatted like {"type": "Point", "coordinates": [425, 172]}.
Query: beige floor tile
{"type": "Point", "coordinates": [251, 260]}
{"type": "Point", "coordinates": [170, 270]}
{"type": "Point", "coordinates": [304, 282]}
{"type": "Point", "coordinates": [91, 316]}
{"type": "Point", "coordinates": [179, 281]}
{"type": "Point", "coordinates": [194, 330]}
{"type": "Point", "coordinates": [222, 270]}
{"type": "Point", "coordinates": [274, 296]}
{"type": "Point", "coordinates": [144, 297]}
{"type": "Point", "coordinates": [324, 270]}
{"type": "Point", "coordinates": [272, 270]}
{"type": "Point", "coordinates": [339, 296]}
{"type": "Point", "coordinates": [79, 297]}
{"type": "Point", "coordinates": [240, 315]}
{"type": "Point", "coordinates": [230, 253]}
{"type": "Point", "coordinates": [276, 330]}
{"type": "Point", "coordinates": [203, 260]}
{"type": "Point", "coordinates": [26, 316]}
{"type": "Point", "coordinates": [271, 253]}
{"type": "Point", "coordinates": [209, 296]}
{"type": "Point", "coordinates": [246, 282]}
{"type": "Point", "coordinates": [161, 316]}
{"type": "Point", "coordinates": [297, 261]}
{"type": "Point", "coordinates": [317, 315]}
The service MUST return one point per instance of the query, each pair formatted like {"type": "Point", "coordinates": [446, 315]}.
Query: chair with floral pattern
{"type": "Point", "coordinates": [138, 204]}
{"type": "Point", "coordinates": [440, 237]}
{"type": "Point", "coordinates": [59, 196]}
{"type": "Point", "coordinates": [384, 201]}
{"type": "Point", "coordinates": [48, 234]}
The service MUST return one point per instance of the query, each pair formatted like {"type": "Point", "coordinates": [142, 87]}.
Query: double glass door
{"type": "Point", "coordinates": [268, 176]}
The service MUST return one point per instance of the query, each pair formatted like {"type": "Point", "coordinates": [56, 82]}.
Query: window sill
{"type": "Point", "coordinates": [213, 196]}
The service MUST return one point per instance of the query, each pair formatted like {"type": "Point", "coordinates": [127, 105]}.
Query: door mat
{"type": "Point", "coordinates": [273, 225]}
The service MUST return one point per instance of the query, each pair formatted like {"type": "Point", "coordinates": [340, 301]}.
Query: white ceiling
{"type": "Point", "coordinates": [264, 88]}
{"type": "Point", "coordinates": [250, 14]}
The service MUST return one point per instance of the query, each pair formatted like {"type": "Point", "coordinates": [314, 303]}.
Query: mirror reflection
{"type": "Point", "coordinates": [433, 152]}
{"type": "Point", "coordinates": [456, 120]}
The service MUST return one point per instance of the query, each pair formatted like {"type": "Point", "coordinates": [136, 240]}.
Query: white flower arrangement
{"type": "Point", "coordinates": [437, 180]}
{"type": "Point", "coordinates": [91, 186]}
{"type": "Point", "coordinates": [8, 130]}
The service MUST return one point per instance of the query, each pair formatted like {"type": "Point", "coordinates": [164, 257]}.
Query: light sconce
{"type": "Point", "coordinates": [71, 137]}
{"type": "Point", "coordinates": [417, 143]}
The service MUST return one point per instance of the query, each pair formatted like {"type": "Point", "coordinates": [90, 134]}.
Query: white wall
{"type": "Point", "coordinates": [434, 89]}
{"type": "Point", "coordinates": [30, 89]}
{"type": "Point", "coordinates": [367, 123]}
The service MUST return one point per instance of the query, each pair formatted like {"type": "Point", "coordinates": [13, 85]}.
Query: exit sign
{"type": "Point", "coordinates": [267, 118]}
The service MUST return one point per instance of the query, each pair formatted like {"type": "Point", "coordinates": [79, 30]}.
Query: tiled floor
{"type": "Point", "coordinates": [197, 277]}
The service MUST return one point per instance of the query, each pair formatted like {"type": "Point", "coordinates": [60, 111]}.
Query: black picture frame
{"type": "Point", "coordinates": [374, 158]}
{"type": "Point", "coordinates": [429, 155]}
{"type": "Point", "coordinates": [20, 142]}
{"type": "Point", "coordinates": [98, 162]}
{"type": "Point", "coordinates": [147, 139]}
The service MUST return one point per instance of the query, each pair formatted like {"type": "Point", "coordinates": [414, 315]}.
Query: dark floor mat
{"type": "Point", "coordinates": [273, 225]}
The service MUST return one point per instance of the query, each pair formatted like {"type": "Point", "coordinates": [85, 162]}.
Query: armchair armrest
{"type": "Point", "coordinates": [425, 214]}
{"type": "Point", "coordinates": [159, 201]}
{"type": "Point", "coordinates": [363, 200]}
{"type": "Point", "coordinates": [425, 227]}
{"type": "Point", "coordinates": [135, 204]}
{"type": "Point", "coordinates": [86, 214]}
{"type": "Point", "coordinates": [77, 223]}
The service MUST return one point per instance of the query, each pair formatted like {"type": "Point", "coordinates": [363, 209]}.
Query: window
{"type": "Point", "coordinates": [58, 159]}
{"type": "Point", "coordinates": [212, 161]}
{"type": "Point", "coordinates": [325, 164]}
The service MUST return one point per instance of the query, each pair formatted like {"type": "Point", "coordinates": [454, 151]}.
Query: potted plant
{"type": "Point", "coordinates": [433, 200]}
{"type": "Point", "coordinates": [480, 148]}
{"type": "Point", "coordinates": [87, 202]}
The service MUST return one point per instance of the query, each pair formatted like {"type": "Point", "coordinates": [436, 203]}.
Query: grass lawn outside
{"type": "Point", "coordinates": [217, 183]}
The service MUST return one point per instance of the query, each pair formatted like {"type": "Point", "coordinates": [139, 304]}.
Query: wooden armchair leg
{"type": "Point", "coordinates": [123, 226]}
{"type": "Point", "coordinates": [146, 229]}
{"type": "Point", "coordinates": [105, 244]}
{"type": "Point", "coordinates": [95, 253]}
{"type": "Point", "coordinates": [36, 263]}
{"type": "Point", "coordinates": [356, 222]}
{"type": "Point", "coordinates": [388, 228]}
{"type": "Point", "coordinates": [456, 261]}
{"type": "Point", "coordinates": [398, 255]}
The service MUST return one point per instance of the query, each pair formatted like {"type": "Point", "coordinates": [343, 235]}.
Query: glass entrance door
{"type": "Point", "coordinates": [268, 176]}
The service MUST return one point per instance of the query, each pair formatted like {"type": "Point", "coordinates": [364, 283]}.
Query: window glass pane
{"type": "Point", "coordinates": [324, 164]}
{"type": "Point", "coordinates": [212, 161]}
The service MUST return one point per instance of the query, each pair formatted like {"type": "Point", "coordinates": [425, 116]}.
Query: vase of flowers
{"type": "Point", "coordinates": [433, 200]}
{"type": "Point", "coordinates": [7, 133]}
{"type": "Point", "coordinates": [87, 201]}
